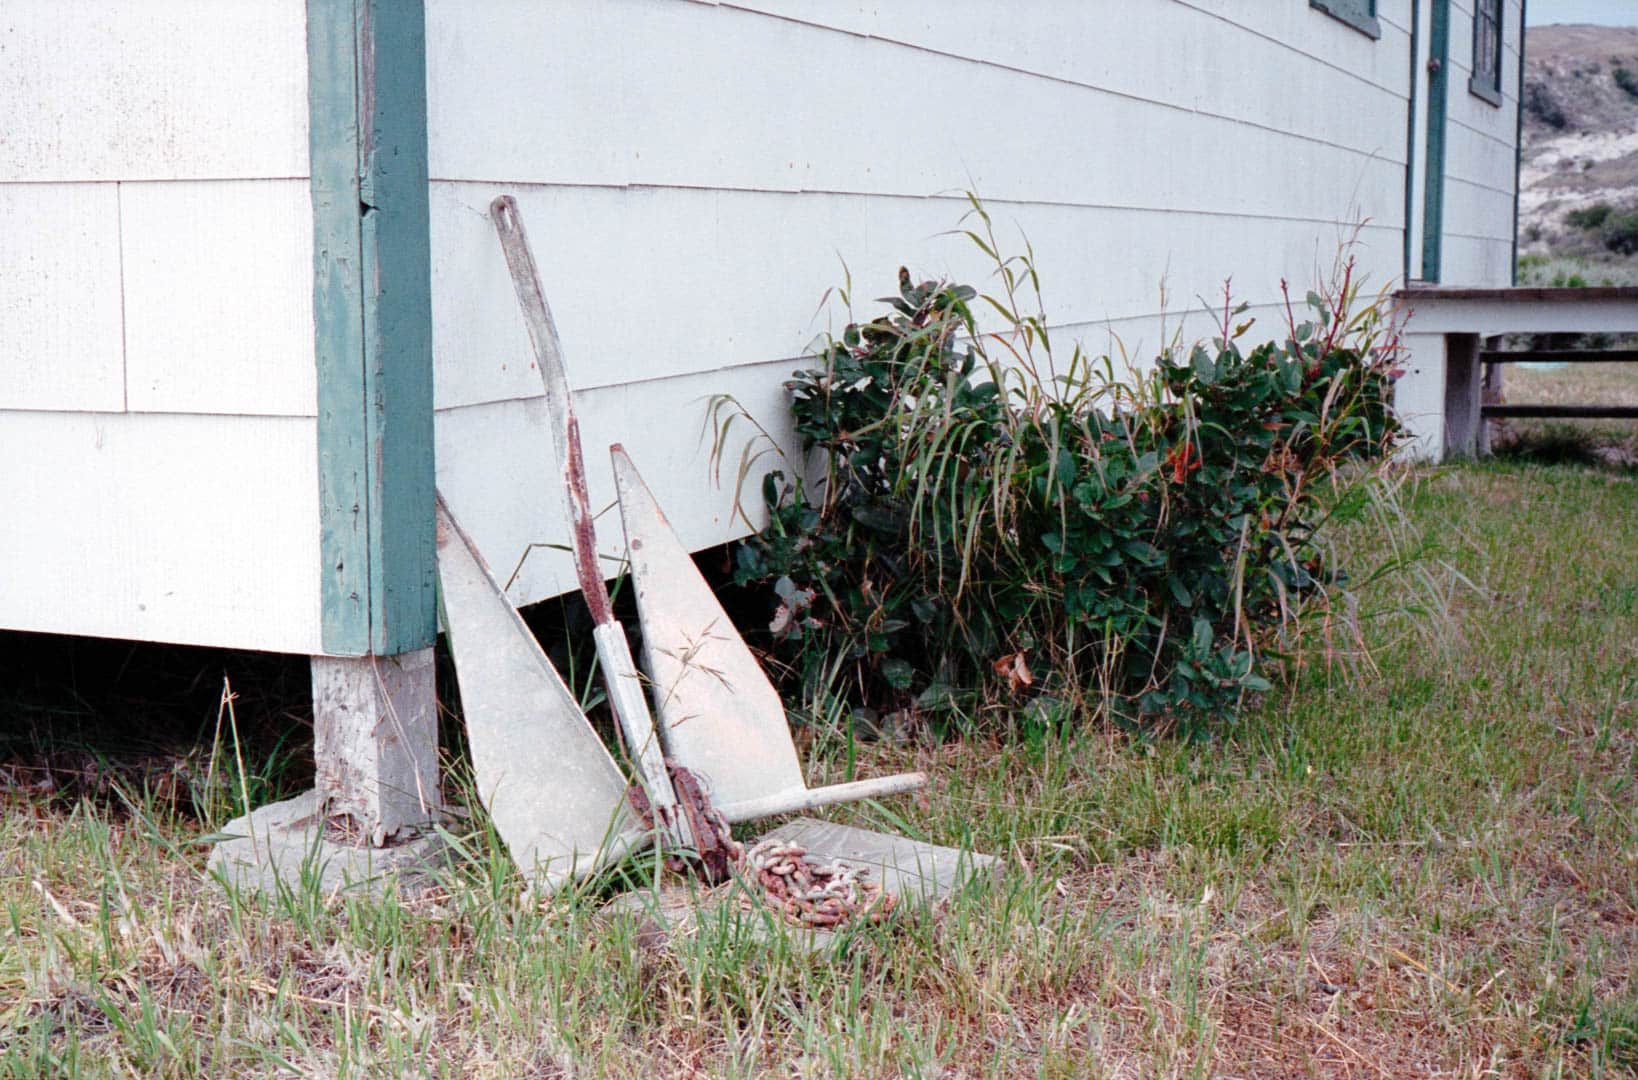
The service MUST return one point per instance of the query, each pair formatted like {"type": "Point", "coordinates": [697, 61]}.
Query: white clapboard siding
{"type": "Point", "coordinates": [192, 529]}
{"type": "Point", "coordinates": [674, 94]}
{"type": "Point", "coordinates": [647, 283]}
{"type": "Point", "coordinates": [1204, 61]}
{"type": "Point", "coordinates": [1476, 261]}
{"type": "Point", "coordinates": [59, 296]}
{"type": "Point", "coordinates": [496, 466]}
{"type": "Point", "coordinates": [1301, 28]}
{"type": "Point", "coordinates": [1476, 156]}
{"type": "Point", "coordinates": [219, 297]}
{"type": "Point", "coordinates": [1478, 208]}
{"type": "Point", "coordinates": [152, 89]}
{"type": "Point", "coordinates": [1479, 161]}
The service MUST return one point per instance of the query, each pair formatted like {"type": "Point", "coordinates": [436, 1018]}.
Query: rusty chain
{"type": "Point", "coordinates": [811, 894]}
{"type": "Point", "coordinates": [805, 892]}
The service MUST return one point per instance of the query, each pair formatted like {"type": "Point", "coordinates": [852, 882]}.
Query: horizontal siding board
{"type": "Point", "coordinates": [497, 469]}
{"type": "Point", "coordinates": [1477, 211]}
{"type": "Point", "coordinates": [1304, 30]}
{"type": "Point", "coordinates": [152, 89]}
{"type": "Point", "coordinates": [680, 95]}
{"type": "Point", "coordinates": [1480, 139]}
{"type": "Point", "coordinates": [1475, 157]}
{"type": "Point", "coordinates": [1478, 261]}
{"type": "Point", "coordinates": [60, 333]}
{"type": "Point", "coordinates": [219, 297]}
{"type": "Point", "coordinates": [1212, 66]}
{"type": "Point", "coordinates": [648, 283]}
{"type": "Point", "coordinates": [191, 529]}
{"type": "Point", "coordinates": [1481, 118]}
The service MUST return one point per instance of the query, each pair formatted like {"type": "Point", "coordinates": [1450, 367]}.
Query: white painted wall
{"type": "Point", "coordinates": [692, 175]}
{"type": "Point", "coordinates": [156, 339]}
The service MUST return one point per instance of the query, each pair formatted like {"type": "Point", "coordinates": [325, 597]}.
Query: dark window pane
{"type": "Point", "coordinates": [1487, 49]}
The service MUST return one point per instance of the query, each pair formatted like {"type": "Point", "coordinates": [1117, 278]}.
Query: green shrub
{"type": "Point", "coordinates": [989, 519]}
{"type": "Point", "coordinates": [1620, 233]}
{"type": "Point", "coordinates": [1589, 217]}
{"type": "Point", "coordinates": [1540, 103]}
{"type": "Point", "coordinates": [1626, 80]}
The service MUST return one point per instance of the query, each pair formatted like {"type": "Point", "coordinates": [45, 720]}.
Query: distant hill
{"type": "Point", "coordinates": [1579, 174]}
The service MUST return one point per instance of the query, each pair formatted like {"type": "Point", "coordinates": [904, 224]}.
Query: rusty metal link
{"type": "Point", "coordinates": [805, 892]}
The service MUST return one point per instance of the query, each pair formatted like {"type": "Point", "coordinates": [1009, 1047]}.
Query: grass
{"type": "Point", "coordinates": [1604, 443]}
{"type": "Point", "coordinates": [1423, 866]}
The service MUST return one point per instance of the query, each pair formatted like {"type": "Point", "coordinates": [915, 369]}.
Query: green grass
{"type": "Point", "coordinates": [1423, 864]}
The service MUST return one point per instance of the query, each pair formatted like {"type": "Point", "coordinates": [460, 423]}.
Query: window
{"type": "Point", "coordinates": [1485, 82]}
{"type": "Point", "coordinates": [1359, 14]}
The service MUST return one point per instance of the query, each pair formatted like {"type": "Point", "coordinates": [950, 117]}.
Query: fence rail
{"type": "Point", "coordinates": [1559, 356]}
{"type": "Point", "coordinates": [1567, 412]}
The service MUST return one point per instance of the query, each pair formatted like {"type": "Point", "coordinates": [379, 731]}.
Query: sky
{"type": "Point", "coordinates": [1607, 12]}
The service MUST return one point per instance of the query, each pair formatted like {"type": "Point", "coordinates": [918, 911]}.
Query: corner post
{"type": "Point", "coordinates": [1418, 396]}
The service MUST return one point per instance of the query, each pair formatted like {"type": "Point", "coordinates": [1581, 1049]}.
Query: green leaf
{"type": "Point", "coordinates": [1205, 368]}
{"type": "Point", "coordinates": [876, 518]}
{"type": "Point", "coordinates": [1180, 592]}
{"type": "Point", "coordinates": [1202, 636]}
{"type": "Point", "coordinates": [1144, 552]}
{"type": "Point", "coordinates": [898, 673]}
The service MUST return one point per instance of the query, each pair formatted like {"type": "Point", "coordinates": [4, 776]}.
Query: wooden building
{"type": "Point", "coordinates": [252, 310]}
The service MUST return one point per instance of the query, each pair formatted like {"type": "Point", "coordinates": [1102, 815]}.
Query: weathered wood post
{"type": "Point", "coordinates": [375, 742]}
{"type": "Point", "coordinates": [1462, 394]}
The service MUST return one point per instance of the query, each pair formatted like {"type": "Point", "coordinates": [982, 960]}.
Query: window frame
{"type": "Point", "coordinates": [1359, 14]}
{"type": "Point", "coordinates": [1488, 89]}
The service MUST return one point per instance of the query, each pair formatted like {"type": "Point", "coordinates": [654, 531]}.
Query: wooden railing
{"type": "Point", "coordinates": [1442, 392]}
{"type": "Point", "coordinates": [1559, 356]}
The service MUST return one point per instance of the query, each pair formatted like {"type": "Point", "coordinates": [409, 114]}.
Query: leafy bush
{"type": "Point", "coordinates": [1617, 229]}
{"type": "Point", "coordinates": [982, 518]}
{"type": "Point", "coordinates": [1589, 217]}
{"type": "Point", "coordinates": [1626, 80]}
{"type": "Point", "coordinates": [1540, 103]}
{"type": "Point", "coordinates": [1620, 233]}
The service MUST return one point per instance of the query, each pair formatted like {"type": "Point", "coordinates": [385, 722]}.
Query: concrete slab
{"type": "Point", "coordinates": [283, 845]}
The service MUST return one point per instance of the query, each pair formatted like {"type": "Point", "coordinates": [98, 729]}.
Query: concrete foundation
{"type": "Point", "coordinates": [290, 845]}
{"type": "Point", "coordinates": [376, 795]}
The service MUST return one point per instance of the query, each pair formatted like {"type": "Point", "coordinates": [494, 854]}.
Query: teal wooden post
{"type": "Point", "coordinates": [1433, 197]}
{"type": "Point", "coordinates": [372, 309]}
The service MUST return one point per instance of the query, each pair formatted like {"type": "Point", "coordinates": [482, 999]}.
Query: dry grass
{"type": "Point", "coordinates": [1608, 443]}
{"type": "Point", "coordinates": [1426, 870]}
